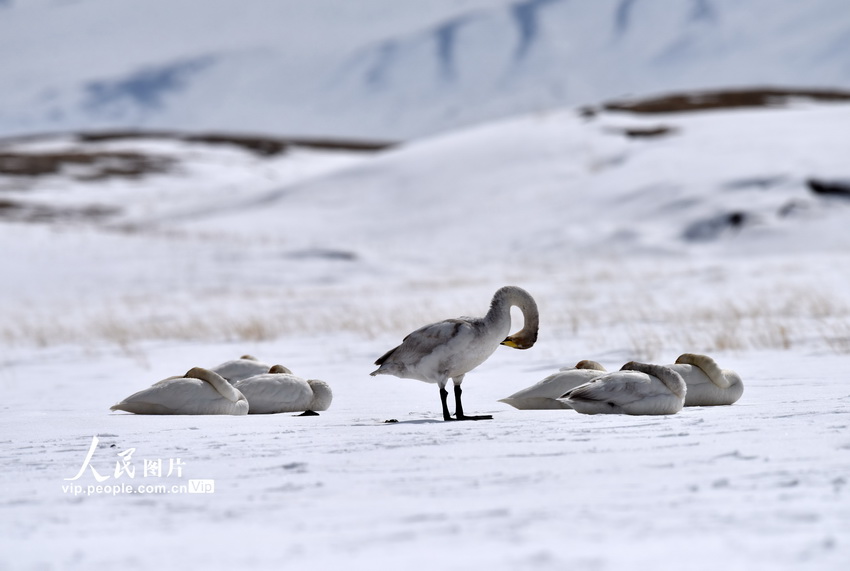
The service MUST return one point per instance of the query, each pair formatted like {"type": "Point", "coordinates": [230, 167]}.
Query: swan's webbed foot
{"type": "Point", "coordinates": [458, 407]}
{"type": "Point", "coordinates": [308, 413]}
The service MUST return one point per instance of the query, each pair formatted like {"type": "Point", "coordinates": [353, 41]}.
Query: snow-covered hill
{"type": "Point", "coordinates": [382, 69]}
{"type": "Point", "coordinates": [525, 199]}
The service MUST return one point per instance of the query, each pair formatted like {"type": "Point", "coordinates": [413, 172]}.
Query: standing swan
{"type": "Point", "coordinates": [546, 394]}
{"type": "Point", "coordinates": [200, 391]}
{"type": "Point", "coordinates": [449, 349]}
{"type": "Point", "coordinates": [637, 388]}
{"type": "Point", "coordinates": [279, 390]}
{"type": "Point", "coordinates": [708, 384]}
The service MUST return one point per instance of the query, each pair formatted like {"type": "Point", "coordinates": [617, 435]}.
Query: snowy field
{"type": "Point", "coordinates": [706, 238]}
{"type": "Point", "coordinates": [759, 484]}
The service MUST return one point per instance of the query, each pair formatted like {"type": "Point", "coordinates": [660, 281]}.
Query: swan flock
{"type": "Point", "coordinates": [447, 350]}
{"type": "Point", "coordinates": [207, 391]}
{"type": "Point", "coordinates": [703, 383]}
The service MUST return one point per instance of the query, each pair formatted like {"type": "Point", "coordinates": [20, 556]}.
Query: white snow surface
{"type": "Point", "coordinates": [321, 261]}
{"type": "Point", "coordinates": [387, 69]}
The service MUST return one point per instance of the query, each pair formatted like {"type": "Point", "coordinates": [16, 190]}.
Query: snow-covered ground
{"type": "Point", "coordinates": [706, 239]}
{"type": "Point", "coordinates": [761, 484]}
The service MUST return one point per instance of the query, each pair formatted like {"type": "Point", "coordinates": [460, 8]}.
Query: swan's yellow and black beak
{"type": "Point", "coordinates": [515, 343]}
{"type": "Point", "coordinates": [521, 340]}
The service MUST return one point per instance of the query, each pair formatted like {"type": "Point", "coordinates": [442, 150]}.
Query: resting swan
{"type": "Point", "coordinates": [449, 349]}
{"type": "Point", "coordinates": [242, 368]}
{"type": "Point", "coordinates": [278, 390]}
{"type": "Point", "coordinates": [637, 388]}
{"type": "Point", "coordinates": [708, 384]}
{"type": "Point", "coordinates": [546, 393]}
{"type": "Point", "coordinates": [200, 391]}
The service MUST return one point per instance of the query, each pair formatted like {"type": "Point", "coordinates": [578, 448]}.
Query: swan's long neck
{"type": "Point", "coordinates": [723, 379]}
{"type": "Point", "coordinates": [218, 382]}
{"type": "Point", "coordinates": [671, 379]}
{"type": "Point", "coordinates": [500, 311]}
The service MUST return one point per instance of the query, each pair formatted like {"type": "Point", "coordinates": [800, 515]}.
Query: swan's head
{"type": "Point", "coordinates": [526, 337]}
{"type": "Point", "coordinates": [521, 340]}
{"type": "Point", "coordinates": [588, 364]}
{"type": "Point", "coordinates": [279, 369]}
{"type": "Point", "coordinates": [198, 373]}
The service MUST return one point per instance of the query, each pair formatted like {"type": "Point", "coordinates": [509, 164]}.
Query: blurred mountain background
{"type": "Point", "coordinates": [389, 70]}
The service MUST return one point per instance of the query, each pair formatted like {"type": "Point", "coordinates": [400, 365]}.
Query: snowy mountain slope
{"type": "Point", "coordinates": [548, 186]}
{"type": "Point", "coordinates": [381, 69]}
{"type": "Point", "coordinates": [541, 187]}
{"type": "Point", "coordinates": [539, 53]}
{"type": "Point", "coordinates": [561, 200]}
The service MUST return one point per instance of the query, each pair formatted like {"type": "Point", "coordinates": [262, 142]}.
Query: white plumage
{"type": "Point", "coordinates": [637, 388]}
{"type": "Point", "coordinates": [449, 349]}
{"type": "Point", "coordinates": [241, 368]}
{"type": "Point", "coordinates": [199, 391]}
{"type": "Point", "coordinates": [547, 393]}
{"type": "Point", "coordinates": [278, 390]}
{"type": "Point", "coordinates": [708, 384]}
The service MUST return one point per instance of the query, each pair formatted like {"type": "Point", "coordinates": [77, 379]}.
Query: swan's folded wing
{"type": "Point", "coordinates": [167, 380]}
{"type": "Point", "coordinates": [275, 393]}
{"type": "Point", "coordinates": [621, 388]}
{"type": "Point", "coordinates": [555, 385]}
{"type": "Point", "coordinates": [171, 396]}
{"type": "Point", "coordinates": [427, 339]}
{"type": "Point", "coordinates": [535, 403]}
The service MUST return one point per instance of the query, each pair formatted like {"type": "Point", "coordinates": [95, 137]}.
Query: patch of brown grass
{"type": "Point", "coordinates": [94, 165]}
{"type": "Point", "coordinates": [15, 211]}
{"type": "Point", "coordinates": [722, 99]}
{"type": "Point", "coordinates": [259, 144]}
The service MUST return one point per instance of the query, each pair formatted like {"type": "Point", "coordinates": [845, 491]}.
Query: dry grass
{"type": "Point", "coordinates": [21, 211]}
{"type": "Point", "coordinates": [659, 310]}
{"type": "Point", "coordinates": [723, 99]}
{"type": "Point", "coordinates": [597, 312]}
{"type": "Point", "coordinates": [262, 145]}
{"type": "Point", "coordinates": [650, 310]}
{"type": "Point", "coordinates": [87, 165]}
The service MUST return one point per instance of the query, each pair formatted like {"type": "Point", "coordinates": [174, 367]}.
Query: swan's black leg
{"type": "Point", "coordinates": [459, 408]}
{"type": "Point", "coordinates": [444, 395]}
